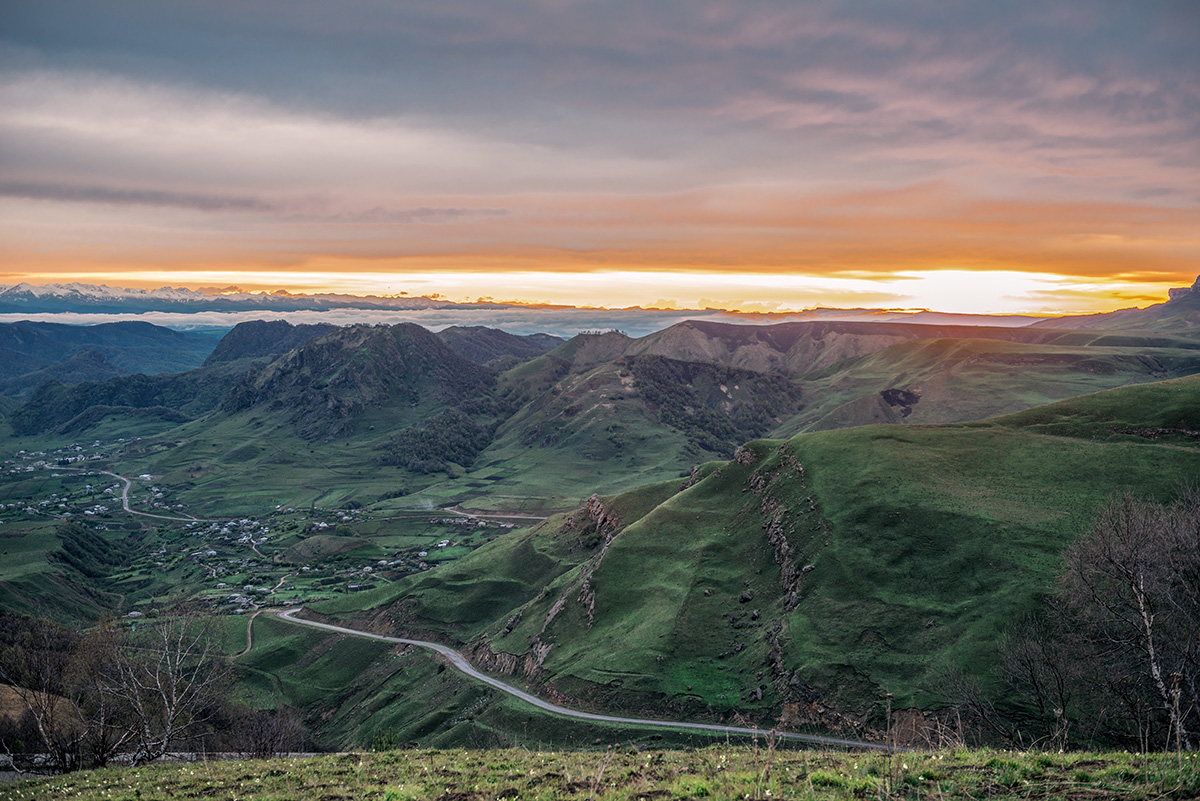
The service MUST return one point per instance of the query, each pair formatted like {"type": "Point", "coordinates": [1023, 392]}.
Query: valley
{"type": "Point", "coordinates": [803, 526]}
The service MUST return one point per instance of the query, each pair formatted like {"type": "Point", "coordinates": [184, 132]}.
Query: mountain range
{"type": "Point", "coordinates": [787, 523]}
{"type": "Point", "coordinates": [537, 423]}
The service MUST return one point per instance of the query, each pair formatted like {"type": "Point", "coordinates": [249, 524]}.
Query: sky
{"type": "Point", "coordinates": [1011, 157]}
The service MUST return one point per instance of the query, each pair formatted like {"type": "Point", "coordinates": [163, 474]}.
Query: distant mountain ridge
{"type": "Point", "coordinates": [26, 298]}
{"type": "Point", "coordinates": [600, 410]}
{"type": "Point", "coordinates": [127, 347]}
{"type": "Point", "coordinates": [1181, 312]}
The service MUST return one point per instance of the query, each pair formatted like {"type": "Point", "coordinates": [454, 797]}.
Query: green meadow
{"type": "Point", "coordinates": [624, 773]}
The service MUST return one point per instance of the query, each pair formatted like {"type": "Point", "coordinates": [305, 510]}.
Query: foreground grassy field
{"type": "Point", "coordinates": [719, 772]}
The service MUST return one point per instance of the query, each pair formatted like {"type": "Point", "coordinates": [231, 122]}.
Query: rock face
{"type": "Point", "coordinates": [608, 526]}
{"type": "Point", "coordinates": [529, 664]}
{"type": "Point", "coordinates": [525, 665]}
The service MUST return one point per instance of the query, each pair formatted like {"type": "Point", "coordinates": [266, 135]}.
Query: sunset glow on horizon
{"type": "Point", "coordinates": [765, 157]}
{"type": "Point", "coordinates": [963, 292]}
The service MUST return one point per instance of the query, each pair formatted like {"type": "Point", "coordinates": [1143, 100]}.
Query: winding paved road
{"type": "Point", "coordinates": [125, 502]}
{"type": "Point", "coordinates": [461, 664]}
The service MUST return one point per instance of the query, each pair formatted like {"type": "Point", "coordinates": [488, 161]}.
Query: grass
{"type": "Point", "coordinates": [583, 427]}
{"type": "Point", "coordinates": [965, 379]}
{"type": "Point", "coordinates": [718, 772]}
{"type": "Point", "coordinates": [919, 546]}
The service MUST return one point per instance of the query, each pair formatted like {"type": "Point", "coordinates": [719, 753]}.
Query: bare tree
{"type": "Point", "coordinates": [35, 665]}
{"type": "Point", "coordinates": [264, 733]}
{"type": "Point", "coordinates": [1131, 587]}
{"type": "Point", "coordinates": [1043, 666]}
{"type": "Point", "coordinates": [962, 694]}
{"type": "Point", "coordinates": [89, 697]}
{"type": "Point", "coordinates": [172, 680]}
{"type": "Point", "coordinates": [107, 720]}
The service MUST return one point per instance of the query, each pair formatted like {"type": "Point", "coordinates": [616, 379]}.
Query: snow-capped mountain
{"type": "Point", "coordinates": [25, 298]}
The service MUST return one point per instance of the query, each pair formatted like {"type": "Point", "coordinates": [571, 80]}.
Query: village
{"type": "Point", "coordinates": [287, 556]}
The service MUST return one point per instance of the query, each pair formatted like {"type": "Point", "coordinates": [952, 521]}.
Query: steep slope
{"type": "Point", "coordinates": [615, 425]}
{"type": "Point", "coordinates": [400, 374]}
{"type": "Point", "coordinates": [86, 365]}
{"type": "Point", "coordinates": [955, 380]}
{"type": "Point", "coordinates": [805, 579]}
{"type": "Point", "coordinates": [257, 338]}
{"type": "Point", "coordinates": [602, 412]}
{"type": "Point", "coordinates": [171, 398]}
{"type": "Point", "coordinates": [588, 420]}
{"type": "Point", "coordinates": [800, 347]}
{"type": "Point", "coordinates": [359, 414]}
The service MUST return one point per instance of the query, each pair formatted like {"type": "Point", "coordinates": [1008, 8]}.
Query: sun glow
{"type": "Point", "coordinates": [960, 291]}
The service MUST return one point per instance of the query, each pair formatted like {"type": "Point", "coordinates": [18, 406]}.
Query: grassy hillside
{"type": "Point", "coordinates": [129, 346]}
{"type": "Point", "coordinates": [953, 380]}
{"type": "Point", "coordinates": [807, 578]}
{"type": "Point", "coordinates": [1180, 313]}
{"type": "Point", "coordinates": [721, 773]}
{"type": "Point", "coordinates": [355, 692]}
{"type": "Point", "coordinates": [366, 412]}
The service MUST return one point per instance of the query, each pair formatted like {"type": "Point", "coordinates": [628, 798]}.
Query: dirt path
{"type": "Point", "coordinates": [249, 634]}
{"type": "Point", "coordinates": [490, 515]}
{"type": "Point", "coordinates": [457, 661]}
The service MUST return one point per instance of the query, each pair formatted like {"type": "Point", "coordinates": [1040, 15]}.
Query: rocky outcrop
{"type": "Point", "coordinates": [553, 613]}
{"type": "Point", "coordinates": [781, 522]}
{"type": "Point", "coordinates": [692, 480]}
{"type": "Point", "coordinates": [608, 526]}
{"type": "Point", "coordinates": [526, 665]}
{"type": "Point", "coordinates": [744, 456]}
{"type": "Point", "coordinates": [604, 520]}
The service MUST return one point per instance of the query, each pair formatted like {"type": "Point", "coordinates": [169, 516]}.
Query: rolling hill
{"type": "Point", "coordinates": [72, 353]}
{"type": "Point", "coordinates": [807, 578]}
{"type": "Point", "coordinates": [730, 531]}
{"type": "Point", "coordinates": [493, 346]}
{"type": "Point", "coordinates": [601, 412]}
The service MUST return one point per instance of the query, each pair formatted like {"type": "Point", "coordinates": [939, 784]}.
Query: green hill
{"type": "Point", "coordinates": [806, 578]}
{"type": "Point", "coordinates": [128, 346]}
{"type": "Point", "coordinates": [369, 411]}
{"type": "Point", "coordinates": [258, 338]}
{"type": "Point", "coordinates": [493, 346]}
